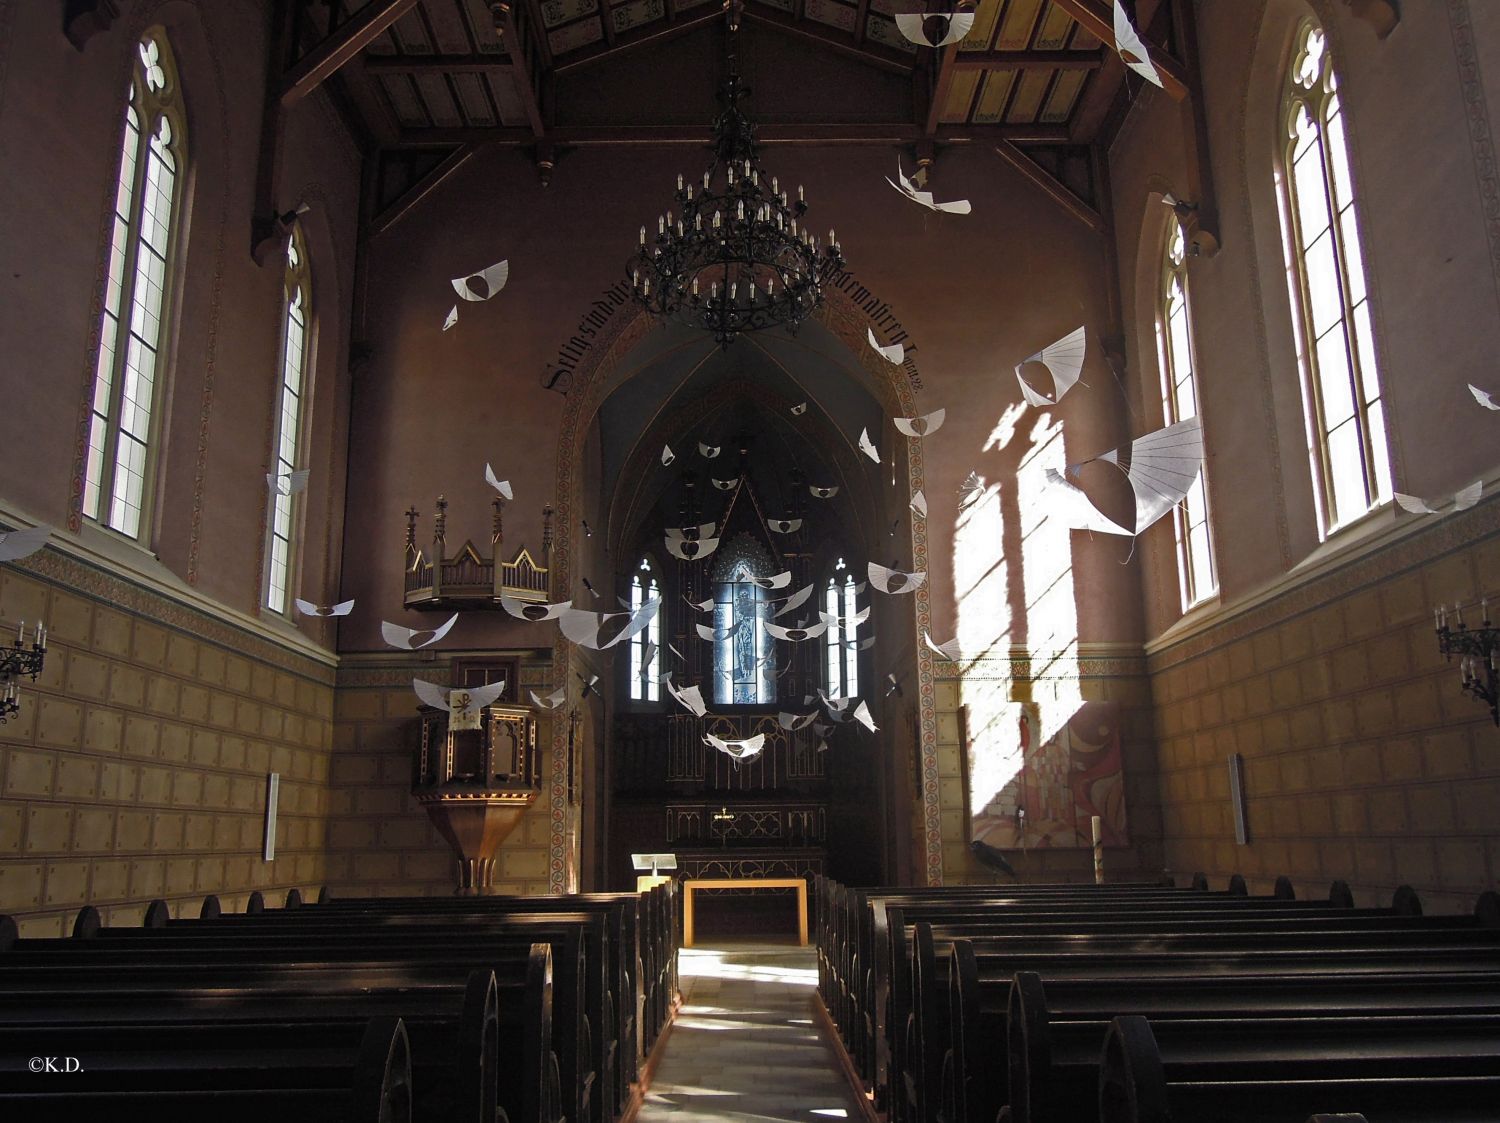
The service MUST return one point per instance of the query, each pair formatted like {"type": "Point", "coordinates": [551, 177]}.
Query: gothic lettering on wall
{"type": "Point", "coordinates": [558, 377]}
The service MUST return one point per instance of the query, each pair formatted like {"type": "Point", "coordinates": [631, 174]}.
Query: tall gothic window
{"type": "Point", "coordinates": [1346, 433]}
{"type": "Point", "coordinates": [289, 418]}
{"type": "Point", "coordinates": [137, 291]}
{"type": "Point", "coordinates": [840, 641]}
{"type": "Point", "coordinates": [744, 653]}
{"type": "Point", "coordinates": [1179, 398]}
{"type": "Point", "coordinates": [645, 648]}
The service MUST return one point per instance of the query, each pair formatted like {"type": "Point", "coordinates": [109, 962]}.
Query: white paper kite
{"type": "Point", "coordinates": [948, 651]}
{"type": "Point", "coordinates": [909, 189]}
{"type": "Point", "coordinates": [950, 28]}
{"type": "Point", "coordinates": [860, 644]}
{"type": "Point", "coordinates": [307, 608]}
{"type": "Point", "coordinates": [701, 605]}
{"type": "Point", "coordinates": [862, 715]}
{"type": "Point", "coordinates": [484, 284]}
{"type": "Point", "coordinates": [502, 486]}
{"type": "Point", "coordinates": [919, 504]}
{"type": "Point", "coordinates": [463, 702]}
{"type": "Point", "coordinates": [708, 452]}
{"type": "Point", "coordinates": [1160, 468]}
{"type": "Point", "coordinates": [1064, 359]}
{"type": "Point", "coordinates": [1483, 398]}
{"type": "Point", "coordinates": [740, 749]}
{"type": "Point", "coordinates": [823, 492]}
{"type": "Point", "coordinates": [1462, 500]}
{"type": "Point", "coordinates": [551, 701]}
{"type": "Point", "coordinates": [867, 447]}
{"type": "Point", "coordinates": [924, 426]}
{"type": "Point", "coordinates": [667, 455]}
{"type": "Point", "coordinates": [970, 491]}
{"type": "Point", "coordinates": [1075, 509]}
{"type": "Point", "coordinates": [785, 526]}
{"type": "Point", "coordinates": [691, 549]}
{"type": "Point", "coordinates": [836, 705]}
{"type": "Point", "coordinates": [523, 610]}
{"type": "Point", "coordinates": [586, 628]}
{"type": "Point", "coordinates": [846, 621]}
{"type": "Point", "coordinates": [724, 485]}
{"type": "Point", "coordinates": [795, 635]}
{"type": "Point", "coordinates": [1133, 52]}
{"type": "Point", "coordinates": [894, 580]}
{"type": "Point", "coordinates": [895, 353]}
{"type": "Point", "coordinates": [288, 483]}
{"type": "Point", "coordinates": [17, 544]}
{"type": "Point", "coordinates": [451, 318]}
{"type": "Point", "coordinates": [404, 638]}
{"type": "Point", "coordinates": [707, 633]}
{"type": "Point", "coordinates": [795, 601]}
{"type": "Point", "coordinates": [648, 657]}
{"type": "Point", "coordinates": [780, 581]}
{"type": "Point", "coordinates": [692, 533]}
{"type": "Point", "coordinates": [794, 722]}
{"type": "Point", "coordinates": [691, 698]}
{"type": "Point", "coordinates": [799, 409]}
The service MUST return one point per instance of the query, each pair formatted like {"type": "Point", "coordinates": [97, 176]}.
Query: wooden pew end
{"type": "Point", "coordinates": [1486, 909]}
{"type": "Point", "coordinates": [1340, 896]}
{"type": "Point", "coordinates": [86, 927]}
{"type": "Point", "coordinates": [1284, 890]}
{"type": "Point", "coordinates": [1200, 881]}
{"type": "Point", "coordinates": [211, 909]}
{"type": "Point", "coordinates": [293, 898]}
{"type": "Point", "coordinates": [157, 914]}
{"type": "Point", "coordinates": [382, 1077]}
{"type": "Point", "coordinates": [1237, 886]}
{"type": "Point", "coordinates": [1406, 902]}
{"type": "Point", "coordinates": [8, 933]}
{"type": "Point", "coordinates": [256, 904]}
{"type": "Point", "coordinates": [1132, 1085]}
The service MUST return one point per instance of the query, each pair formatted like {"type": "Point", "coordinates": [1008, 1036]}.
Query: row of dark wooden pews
{"type": "Point", "coordinates": [1148, 1004]}
{"type": "Point", "coordinates": [372, 1010]}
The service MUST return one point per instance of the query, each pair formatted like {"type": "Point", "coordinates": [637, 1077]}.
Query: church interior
{"type": "Point", "coordinates": [556, 451]}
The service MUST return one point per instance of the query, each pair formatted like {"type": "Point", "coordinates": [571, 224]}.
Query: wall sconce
{"type": "Point", "coordinates": [16, 660]}
{"type": "Point", "coordinates": [1475, 648]}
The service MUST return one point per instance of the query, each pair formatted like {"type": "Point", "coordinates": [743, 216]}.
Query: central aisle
{"type": "Point", "coordinates": [745, 1044]}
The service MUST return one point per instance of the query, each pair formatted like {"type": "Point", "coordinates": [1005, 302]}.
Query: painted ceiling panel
{"type": "Point", "coordinates": [449, 30]}
{"type": "Point", "coordinates": [830, 12]}
{"type": "Point", "coordinates": [996, 92]}
{"type": "Point", "coordinates": [411, 33]}
{"type": "Point", "coordinates": [473, 100]}
{"type": "Point", "coordinates": [878, 29]}
{"type": "Point", "coordinates": [503, 88]}
{"type": "Point", "coordinates": [1028, 99]}
{"type": "Point", "coordinates": [960, 95]}
{"type": "Point", "coordinates": [985, 18]}
{"type": "Point", "coordinates": [1056, 26]}
{"type": "Point", "coordinates": [439, 100]}
{"type": "Point", "coordinates": [1016, 24]}
{"type": "Point", "coordinates": [404, 101]}
{"type": "Point", "coordinates": [555, 13]}
{"type": "Point", "coordinates": [1064, 96]}
{"type": "Point", "coordinates": [784, 5]}
{"type": "Point", "coordinates": [575, 35]}
{"type": "Point", "coordinates": [636, 13]}
{"type": "Point", "coordinates": [483, 26]}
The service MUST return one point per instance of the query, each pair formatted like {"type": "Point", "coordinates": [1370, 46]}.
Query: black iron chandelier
{"type": "Point", "coordinates": [735, 254]}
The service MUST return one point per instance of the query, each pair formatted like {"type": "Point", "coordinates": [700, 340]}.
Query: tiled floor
{"type": "Point", "coordinates": [745, 1044]}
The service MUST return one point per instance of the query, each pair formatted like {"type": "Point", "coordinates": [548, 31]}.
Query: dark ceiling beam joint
{"type": "Point", "coordinates": [435, 64]}
{"type": "Point", "coordinates": [1096, 18]}
{"type": "Point", "coordinates": [527, 87]}
{"type": "Point", "coordinates": [836, 41]}
{"type": "Point", "coordinates": [1029, 60]}
{"type": "Point", "coordinates": [352, 37]}
{"type": "Point", "coordinates": [790, 133]}
{"type": "Point", "coordinates": [1202, 227]}
{"type": "Point", "coordinates": [652, 33]}
{"type": "Point", "coordinates": [403, 204]}
{"type": "Point", "coordinates": [1103, 88]}
{"type": "Point", "coordinates": [1053, 187]}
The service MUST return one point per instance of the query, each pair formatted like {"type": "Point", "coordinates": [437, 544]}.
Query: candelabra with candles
{"type": "Point", "coordinates": [1476, 650]}
{"type": "Point", "coordinates": [18, 659]}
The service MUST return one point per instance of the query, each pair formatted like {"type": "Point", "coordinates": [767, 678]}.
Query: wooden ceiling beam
{"type": "Point", "coordinates": [1058, 191]}
{"type": "Point", "coordinates": [942, 83]}
{"type": "Point", "coordinates": [1092, 109]}
{"type": "Point", "coordinates": [354, 35]}
{"type": "Point", "coordinates": [435, 64]}
{"type": "Point", "coordinates": [861, 20]}
{"type": "Point", "coordinates": [592, 136]}
{"type": "Point", "coordinates": [1095, 17]}
{"type": "Point", "coordinates": [1029, 60]}
{"type": "Point", "coordinates": [654, 33]}
{"type": "Point", "coordinates": [419, 190]}
{"type": "Point", "coordinates": [828, 37]}
{"type": "Point", "coordinates": [527, 87]}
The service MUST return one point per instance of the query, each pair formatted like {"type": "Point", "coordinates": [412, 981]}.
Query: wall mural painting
{"type": "Point", "coordinates": [1060, 783]}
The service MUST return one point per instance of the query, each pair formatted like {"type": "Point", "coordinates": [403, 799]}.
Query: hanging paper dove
{"type": "Point", "coordinates": [1133, 52]}
{"type": "Point", "coordinates": [709, 452]}
{"type": "Point", "coordinates": [701, 605]}
{"type": "Point", "coordinates": [502, 486]}
{"type": "Point", "coordinates": [799, 409]}
{"type": "Point", "coordinates": [823, 492]}
{"type": "Point", "coordinates": [1462, 500]}
{"type": "Point", "coordinates": [17, 544]}
{"type": "Point", "coordinates": [692, 533]}
{"type": "Point", "coordinates": [793, 722]}
{"type": "Point", "coordinates": [1483, 398]}
{"type": "Point", "coordinates": [462, 702]}
{"type": "Point", "coordinates": [893, 580]}
{"type": "Point", "coordinates": [893, 687]}
{"type": "Point", "coordinates": [860, 644]}
{"type": "Point", "coordinates": [691, 550]}
{"type": "Point", "coordinates": [909, 189]}
{"type": "Point", "coordinates": [397, 636]}
{"type": "Point", "coordinates": [707, 633]}
{"type": "Point", "coordinates": [895, 353]}
{"type": "Point", "coordinates": [862, 715]}
{"type": "Point", "coordinates": [949, 28]}
{"type": "Point", "coordinates": [780, 581]}
{"type": "Point", "coordinates": [1064, 359]}
{"type": "Point", "coordinates": [970, 491]}
{"type": "Point", "coordinates": [919, 504]}
{"type": "Point", "coordinates": [691, 698]}
{"type": "Point", "coordinates": [836, 705]}
{"type": "Point", "coordinates": [1075, 509]}
{"type": "Point", "coordinates": [923, 426]}
{"type": "Point", "coordinates": [589, 586]}
{"type": "Point", "coordinates": [288, 483]}
{"type": "Point", "coordinates": [867, 447]}
{"type": "Point", "coordinates": [450, 319]}
{"type": "Point", "coordinates": [785, 526]}
{"type": "Point", "coordinates": [521, 610]}
{"type": "Point", "coordinates": [667, 455]}
{"type": "Point", "coordinates": [795, 601]}
{"type": "Point", "coordinates": [551, 701]}
{"type": "Point", "coordinates": [724, 485]}
{"type": "Point", "coordinates": [854, 621]}
{"type": "Point", "coordinates": [484, 284]}
{"type": "Point", "coordinates": [590, 686]}
{"type": "Point", "coordinates": [307, 608]}
{"type": "Point", "coordinates": [795, 635]}
{"type": "Point", "coordinates": [948, 651]}
{"type": "Point", "coordinates": [739, 749]}
{"type": "Point", "coordinates": [585, 628]}
{"type": "Point", "coordinates": [1160, 468]}
{"type": "Point", "coordinates": [648, 656]}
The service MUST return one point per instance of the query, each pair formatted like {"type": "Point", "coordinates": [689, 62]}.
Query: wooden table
{"type": "Point", "coordinates": [690, 884]}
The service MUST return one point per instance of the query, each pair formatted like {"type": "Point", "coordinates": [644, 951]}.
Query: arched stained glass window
{"type": "Point", "coordinates": [744, 653]}
{"type": "Point", "coordinates": [289, 419]}
{"type": "Point", "coordinates": [841, 640]}
{"type": "Point", "coordinates": [645, 648]}
{"type": "Point", "coordinates": [1179, 397]}
{"type": "Point", "coordinates": [128, 373]}
{"type": "Point", "coordinates": [1346, 433]}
